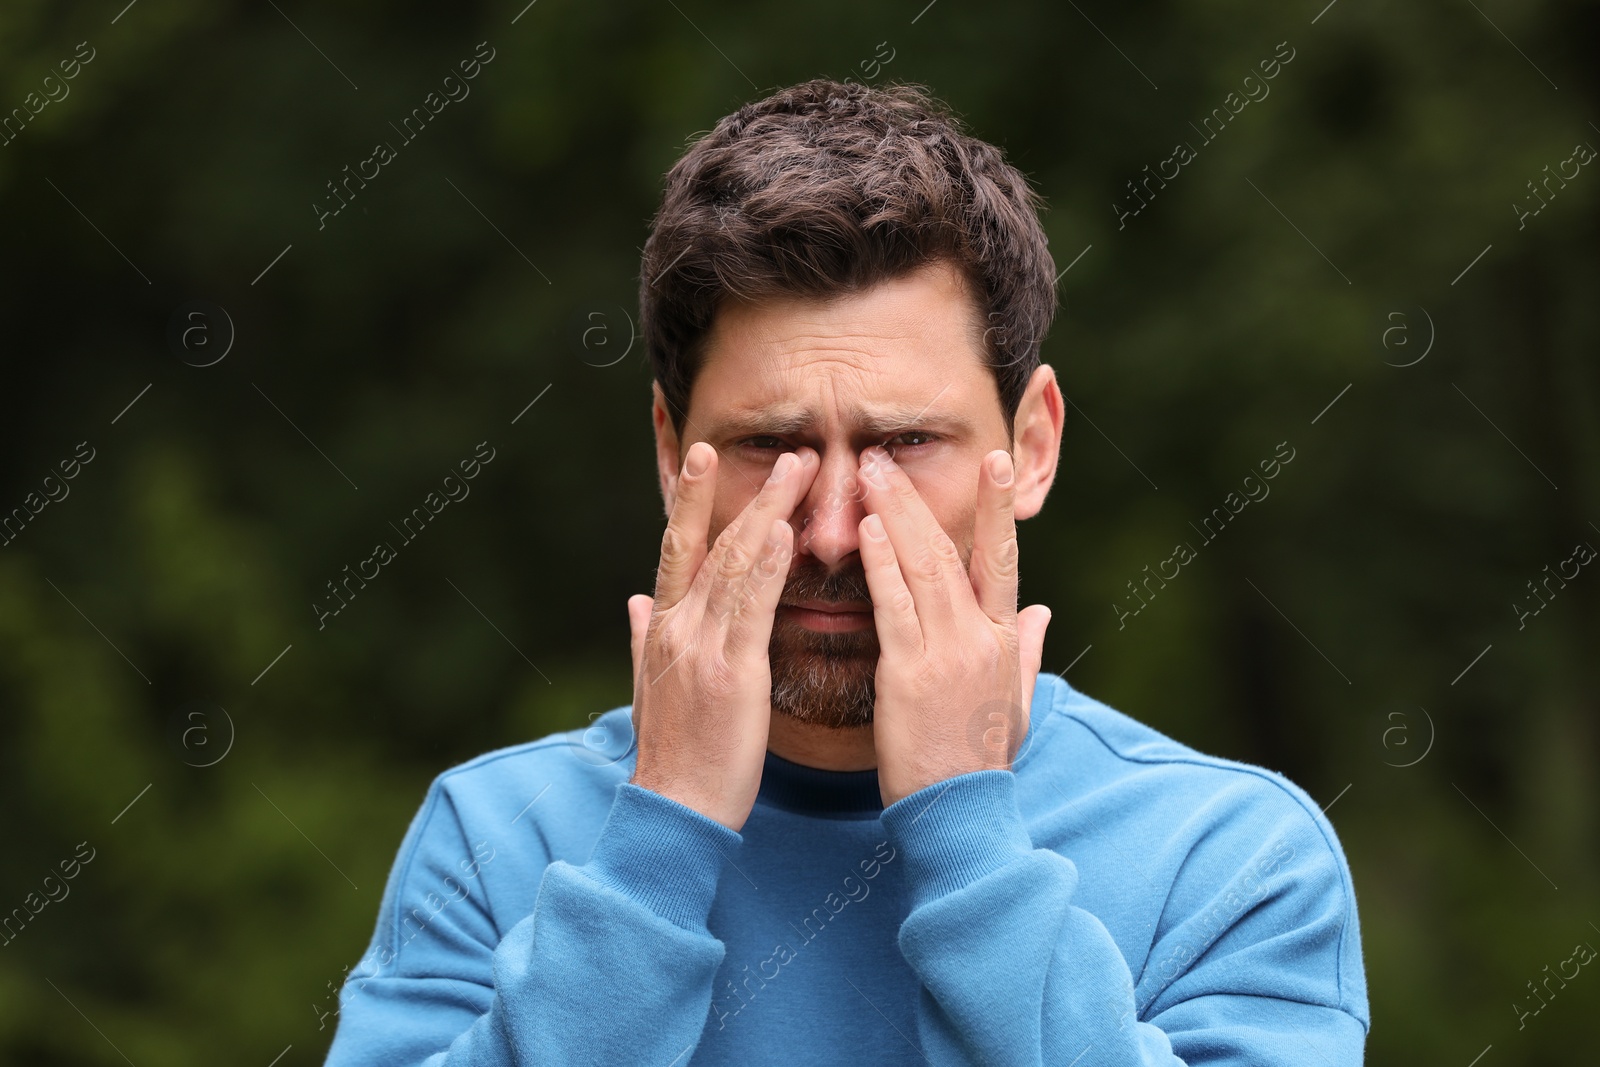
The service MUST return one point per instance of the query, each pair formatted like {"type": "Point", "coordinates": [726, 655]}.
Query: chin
{"type": "Point", "coordinates": [825, 716]}
{"type": "Point", "coordinates": [826, 680]}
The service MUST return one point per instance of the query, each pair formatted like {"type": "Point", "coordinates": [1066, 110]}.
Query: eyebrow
{"type": "Point", "coordinates": [781, 419]}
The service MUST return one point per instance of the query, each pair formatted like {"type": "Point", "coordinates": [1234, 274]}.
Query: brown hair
{"type": "Point", "coordinates": [827, 188]}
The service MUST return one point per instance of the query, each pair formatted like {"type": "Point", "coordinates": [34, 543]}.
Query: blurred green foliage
{"type": "Point", "coordinates": [458, 287]}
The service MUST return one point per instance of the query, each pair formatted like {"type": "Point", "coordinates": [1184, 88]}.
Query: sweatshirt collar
{"type": "Point", "coordinates": [854, 794]}
{"type": "Point", "coordinates": [813, 791]}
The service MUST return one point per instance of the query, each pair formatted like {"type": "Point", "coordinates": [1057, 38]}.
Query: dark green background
{"type": "Point", "coordinates": [207, 927]}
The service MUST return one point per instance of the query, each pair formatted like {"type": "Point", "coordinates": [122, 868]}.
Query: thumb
{"type": "Point", "coordinates": [639, 610]}
{"type": "Point", "coordinates": [1032, 621]}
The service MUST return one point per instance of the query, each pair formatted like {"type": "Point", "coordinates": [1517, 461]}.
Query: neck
{"type": "Point", "coordinates": [849, 748]}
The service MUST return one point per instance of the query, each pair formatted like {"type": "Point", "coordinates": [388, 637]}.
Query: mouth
{"type": "Point", "coordinates": [832, 606]}
{"type": "Point", "coordinates": [828, 616]}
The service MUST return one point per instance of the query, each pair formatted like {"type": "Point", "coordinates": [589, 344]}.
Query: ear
{"type": "Point", "coordinates": [669, 460]}
{"type": "Point", "coordinates": [1036, 447]}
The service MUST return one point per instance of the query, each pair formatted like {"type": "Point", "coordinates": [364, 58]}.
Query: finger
{"type": "Point", "coordinates": [683, 545]}
{"type": "Point", "coordinates": [929, 561]}
{"type": "Point", "coordinates": [750, 629]}
{"type": "Point", "coordinates": [1032, 622]}
{"type": "Point", "coordinates": [639, 611]}
{"type": "Point", "coordinates": [894, 611]}
{"type": "Point", "coordinates": [640, 608]}
{"type": "Point", "coordinates": [729, 565]}
{"type": "Point", "coordinates": [993, 567]}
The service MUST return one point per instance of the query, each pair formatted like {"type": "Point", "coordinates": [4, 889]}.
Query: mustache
{"type": "Point", "coordinates": [813, 582]}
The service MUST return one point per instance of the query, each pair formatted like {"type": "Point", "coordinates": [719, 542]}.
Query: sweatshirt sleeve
{"type": "Point", "coordinates": [613, 965]}
{"type": "Point", "coordinates": [1014, 972]}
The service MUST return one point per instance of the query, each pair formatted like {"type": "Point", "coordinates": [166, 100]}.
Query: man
{"type": "Point", "coordinates": [846, 819]}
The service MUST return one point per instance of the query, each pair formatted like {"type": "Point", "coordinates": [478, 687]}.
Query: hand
{"type": "Point", "coordinates": [702, 684]}
{"type": "Point", "coordinates": [954, 652]}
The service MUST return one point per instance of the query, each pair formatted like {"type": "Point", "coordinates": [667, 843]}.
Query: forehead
{"type": "Point", "coordinates": [908, 349]}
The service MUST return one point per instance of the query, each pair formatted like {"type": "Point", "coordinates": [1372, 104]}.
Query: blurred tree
{"type": "Point", "coordinates": [1252, 302]}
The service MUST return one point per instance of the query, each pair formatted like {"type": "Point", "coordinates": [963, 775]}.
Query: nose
{"type": "Point", "coordinates": [826, 524]}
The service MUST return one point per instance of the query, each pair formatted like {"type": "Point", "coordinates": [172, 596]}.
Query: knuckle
{"type": "Point", "coordinates": [928, 567]}
{"type": "Point", "coordinates": [674, 546]}
{"type": "Point", "coordinates": [667, 643]}
{"type": "Point", "coordinates": [735, 562]}
{"type": "Point", "coordinates": [729, 532]}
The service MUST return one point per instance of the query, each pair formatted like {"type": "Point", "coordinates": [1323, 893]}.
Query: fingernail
{"type": "Point", "coordinates": [873, 526]}
{"type": "Point", "coordinates": [697, 463]}
{"type": "Point", "coordinates": [1000, 468]}
{"type": "Point", "coordinates": [785, 463]}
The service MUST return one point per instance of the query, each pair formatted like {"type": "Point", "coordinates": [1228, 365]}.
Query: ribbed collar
{"type": "Point", "coordinates": [854, 794]}
{"type": "Point", "coordinates": [812, 791]}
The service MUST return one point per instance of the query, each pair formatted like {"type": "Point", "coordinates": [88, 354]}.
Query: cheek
{"type": "Point", "coordinates": [957, 514]}
{"type": "Point", "coordinates": [952, 497]}
{"type": "Point", "coordinates": [733, 496]}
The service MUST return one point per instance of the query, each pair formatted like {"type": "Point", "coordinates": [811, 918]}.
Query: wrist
{"type": "Point", "coordinates": [696, 800]}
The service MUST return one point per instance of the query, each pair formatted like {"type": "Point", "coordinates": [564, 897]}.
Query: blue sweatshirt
{"type": "Point", "coordinates": [1114, 899]}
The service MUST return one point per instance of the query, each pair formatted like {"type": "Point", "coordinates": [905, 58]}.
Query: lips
{"type": "Point", "coordinates": [831, 607]}
{"type": "Point", "coordinates": [828, 616]}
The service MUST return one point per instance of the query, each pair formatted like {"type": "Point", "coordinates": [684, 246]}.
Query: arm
{"type": "Point", "coordinates": [1014, 972]}
{"type": "Point", "coordinates": [614, 964]}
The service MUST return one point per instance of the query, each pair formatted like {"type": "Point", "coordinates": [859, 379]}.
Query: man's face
{"type": "Point", "coordinates": [897, 365]}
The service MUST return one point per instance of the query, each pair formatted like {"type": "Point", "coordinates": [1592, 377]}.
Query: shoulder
{"type": "Point", "coordinates": [503, 816]}
{"type": "Point", "coordinates": [486, 828]}
{"type": "Point", "coordinates": [1230, 856]}
{"type": "Point", "coordinates": [538, 800]}
{"type": "Point", "coordinates": [568, 765]}
{"type": "Point", "coordinates": [1091, 745]}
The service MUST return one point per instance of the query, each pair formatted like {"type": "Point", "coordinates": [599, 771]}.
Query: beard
{"type": "Point", "coordinates": [824, 679]}
{"type": "Point", "coordinates": [830, 679]}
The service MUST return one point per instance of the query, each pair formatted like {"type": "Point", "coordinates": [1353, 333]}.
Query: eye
{"type": "Point", "coordinates": [910, 439]}
{"type": "Point", "coordinates": [929, 438]}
